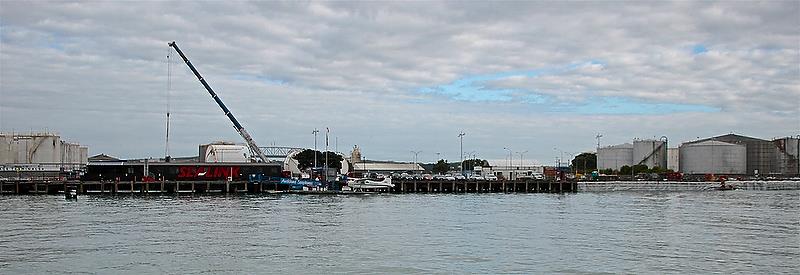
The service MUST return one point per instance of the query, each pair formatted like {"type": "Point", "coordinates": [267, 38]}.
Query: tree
{"type": "Point", "coordinates": [625, 170]}
{"type": "Point", "coordinates": [585, 162]}
{"type": "Point", "coordinates": [305, 159]}
{"type": "Point", "coordinates": [441, 167]}
{"type": "Point", "coordinates": [470, 164]}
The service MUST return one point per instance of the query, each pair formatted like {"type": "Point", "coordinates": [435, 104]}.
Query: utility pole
{"type": "Point", "coordinates": [327, 131]}
{"type": "Point", "coordinates": [315, 148]}
{"type": "Point", "coordinates": [520, 157]}
{"type": "Point", "coordinates": [509, 157]}
{"type": "Point", "coordinates": [461, 137]}
{"type": "Point", "coordinates": [416, 154]}
{"type": "Point", "coordinates": [598, 136]}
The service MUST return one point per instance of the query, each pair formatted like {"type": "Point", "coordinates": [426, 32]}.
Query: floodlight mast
{"type": "Point", "coordinates": [251, 144]}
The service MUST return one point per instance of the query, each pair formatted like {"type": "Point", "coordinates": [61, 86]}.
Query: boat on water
{"type": "Point", "coordinates": [368, 184]}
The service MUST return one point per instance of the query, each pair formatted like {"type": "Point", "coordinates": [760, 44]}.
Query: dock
{"type": "Point", "coordinates": [228, 187]}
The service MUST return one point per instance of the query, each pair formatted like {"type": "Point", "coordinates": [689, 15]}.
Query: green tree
{"type": "Point", "coordinates": [640, 168]}
{"type": "Point", "coordinates": [305, 159]}
{"type": "Point", "coordinates": [625, 170]}
{"type": "Point", "coordinates": [585, 162]}
{"type": "Point", "coordinates": [470, 164]}
{"type": "Point", "coordinates": [441, 167]}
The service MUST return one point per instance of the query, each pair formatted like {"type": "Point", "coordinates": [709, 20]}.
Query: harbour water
{"type": "Point", "coordinates": [738, 231]}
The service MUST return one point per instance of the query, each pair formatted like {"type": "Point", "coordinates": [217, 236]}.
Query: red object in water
{"type": "Point", "coordinates": [675, 176]}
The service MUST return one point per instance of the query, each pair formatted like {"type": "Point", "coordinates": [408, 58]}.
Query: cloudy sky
{"type": "Point", "coordinates": [394, 77]}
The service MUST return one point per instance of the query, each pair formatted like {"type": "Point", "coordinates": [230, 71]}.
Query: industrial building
{"type": "Point", "coordinates": [40, 155]}
{"type": "Point", "coordinates": [650, 152]}
{"type": "Point", "coordinates": [740, 155]}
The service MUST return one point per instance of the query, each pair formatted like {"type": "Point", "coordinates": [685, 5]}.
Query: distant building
{"type": "Point", "coordinates": [713, 157]}
{"type": "Point", "coordinates": [387, 167]}
{"type": "Point", "coordinates": [40, 155]}
{"type": "Point", "coordinates": [650, 152]}
{"type": "Point", "coordinates": [615, 156]}
{"type": "Point", "coordinates": [673, 159]}
{"type": "Point", "coordinates": [760, 157]}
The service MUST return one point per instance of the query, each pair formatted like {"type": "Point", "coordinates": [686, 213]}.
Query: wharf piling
{"type": "Point", "coordinates": [519, 186]}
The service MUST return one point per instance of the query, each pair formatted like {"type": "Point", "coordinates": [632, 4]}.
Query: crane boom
{"type": "Point", "coordinates": [251, 144]}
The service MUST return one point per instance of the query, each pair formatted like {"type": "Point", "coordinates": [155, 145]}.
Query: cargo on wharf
{"type": "Point", "coordinates": [140, 170]}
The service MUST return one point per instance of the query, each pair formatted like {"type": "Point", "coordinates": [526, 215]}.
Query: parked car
{"type": "Point", "coordinates": [427, 177]}
{"type": "Point", "coordinates": [438, 177]}
{"type": "Point", "coordinates": [449, 177]}
{"type": "Point", "coordinates": [476, 177]}
{"type": "Point", "coordinates": [460, 177]}
{"type": "Point", "coordinates": [491, 177]}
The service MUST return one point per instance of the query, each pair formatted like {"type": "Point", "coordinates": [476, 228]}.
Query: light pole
{"type": "Point", "coordinates": [461, 137]}
{"type": "Point", "coordinates": [562, 156]}
{"type": "Point", "coordinates": [509, 157]}
{"type": "Point", "coordinates": [327, 131]}
{"type": "Point", "coordinates": [416, 153]}
{"type": "Point", "coordinates": [520, 157]}
{"type": "Point", "coordinates": [315, 148]}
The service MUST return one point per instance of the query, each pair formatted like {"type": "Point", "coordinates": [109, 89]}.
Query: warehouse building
{"type": "Point", "coordinates": [728, 154]}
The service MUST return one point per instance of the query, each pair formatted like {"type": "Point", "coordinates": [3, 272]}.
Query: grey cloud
{"type": "Point", "coordinates": [74, 66]}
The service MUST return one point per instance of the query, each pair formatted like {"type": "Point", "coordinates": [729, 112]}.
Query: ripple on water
{"type": "Point", "coordinates": [584, 233]}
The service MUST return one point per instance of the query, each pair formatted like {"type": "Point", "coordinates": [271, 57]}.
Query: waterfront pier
{"type": "Point", "coordinates": [200, 187]}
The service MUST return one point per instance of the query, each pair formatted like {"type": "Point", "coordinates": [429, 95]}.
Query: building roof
{"type": "Point", "coordinates": [103, 157]}
{"type": "Point", "coordinates": [618, 146]}
{"type": "Point", "coordinates": [730, 137]}
{"type": "Point", "coordinates": [386, 166]}
{"type": "Point", "coordinates": [711, 143]}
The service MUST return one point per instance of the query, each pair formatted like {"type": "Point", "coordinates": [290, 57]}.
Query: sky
{"type": "Point", "coordinates": [539, 78]}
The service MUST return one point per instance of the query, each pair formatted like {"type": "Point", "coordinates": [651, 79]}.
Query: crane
{"type": "Point", "coordinates": [251, 144]}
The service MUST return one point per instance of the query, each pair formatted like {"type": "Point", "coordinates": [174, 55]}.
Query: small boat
{"type": "Point", "coordinates": [71, 194]}
{"type": "Point", "coordinates": [364, 184]}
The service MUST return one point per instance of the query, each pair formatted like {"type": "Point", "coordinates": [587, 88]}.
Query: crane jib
{"type": "Point", "coordinates": [239, 128]}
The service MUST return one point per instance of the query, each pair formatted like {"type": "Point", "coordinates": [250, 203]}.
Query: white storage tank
{"type": "Point", "coordinates": [713, 157]}
{"type": "Point", "coordinates": [652, 153]}
{"type": "Point", "coordinates": [615, 156]}
{"type": "Point", "coordinates": [673, 159]}
{"type": "Point", "coordinates": [224, 153]}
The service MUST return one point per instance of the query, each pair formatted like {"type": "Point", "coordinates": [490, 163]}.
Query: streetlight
{"type": "Point", "coordinates": [509, 156]}
{"type": "Point", "coordinates": [520, 157]}
{"type": "Point", "coordinates": [416, 153]}
{"type": "Point", "coordinates": [315, 147]}
{"type": "Point", "coordinates": [461, 137]}
{"type": "Point", "coordinates": [562, 156]}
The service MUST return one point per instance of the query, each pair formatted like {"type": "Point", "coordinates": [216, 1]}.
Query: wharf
{"type": "Point", "coordinates": [500, 186]}
{"type": "Point", "coordinates": [191, 187]}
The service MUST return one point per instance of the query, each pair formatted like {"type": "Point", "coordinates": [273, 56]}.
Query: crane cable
{"type": "Point", "coordinates": [169, 87]}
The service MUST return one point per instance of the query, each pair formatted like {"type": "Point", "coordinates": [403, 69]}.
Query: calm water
{"type": "Point", "coordinates": [623, 232]}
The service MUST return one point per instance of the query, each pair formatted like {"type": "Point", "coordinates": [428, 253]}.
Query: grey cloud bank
{"type": "Point", "coordinates": [96, 72]}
